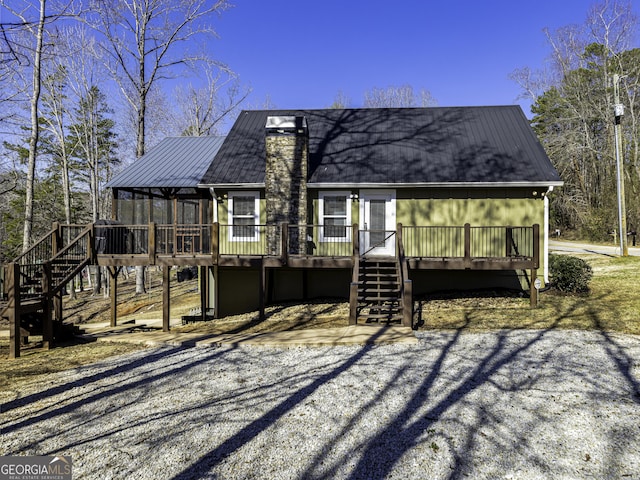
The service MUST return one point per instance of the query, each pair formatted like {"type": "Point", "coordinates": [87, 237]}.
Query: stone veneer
{"type": "Point", "coordinates": [287, 152]}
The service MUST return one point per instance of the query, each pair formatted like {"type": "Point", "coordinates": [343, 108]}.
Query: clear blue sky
{"type": "Point", "coordinates": [301, 53]}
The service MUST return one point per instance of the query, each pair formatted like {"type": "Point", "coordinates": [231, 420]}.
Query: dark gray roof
{"type": "Point", "coordinates": [402, 146]}
{"type": "Point", "coordinates": [178, 162]}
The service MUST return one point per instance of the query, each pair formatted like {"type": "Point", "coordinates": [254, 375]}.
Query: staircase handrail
{"type": "Point", "coordinates": [381, 243]}
{"type": "Point", "coordinates": [87, 232]}
{"type": "Point", "coordinates": [47, 237]}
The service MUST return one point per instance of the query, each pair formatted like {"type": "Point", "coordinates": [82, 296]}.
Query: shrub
{"type": "Point", "coordinates": [569, 274]}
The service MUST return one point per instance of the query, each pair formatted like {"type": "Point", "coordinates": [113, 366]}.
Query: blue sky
{"type": "Point", "coordinates": [301, 53]}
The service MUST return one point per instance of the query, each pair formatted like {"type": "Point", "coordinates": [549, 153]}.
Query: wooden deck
{"type": "Point", "coordinates": [35, 280]}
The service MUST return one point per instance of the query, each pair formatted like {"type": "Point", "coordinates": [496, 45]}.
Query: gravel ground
{"type": "Point", "coordinates": [507, 404]}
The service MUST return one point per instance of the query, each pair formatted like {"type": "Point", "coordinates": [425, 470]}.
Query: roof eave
{"type": "Point", "coordinates": [536, 184]}
{"type": "Point", "coordinates": [231, 185]}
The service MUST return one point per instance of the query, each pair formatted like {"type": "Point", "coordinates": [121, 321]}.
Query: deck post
{"type": "Point", "coordinates": [407, 304]}
{"type": "Point", "coordinates": [467, 243]}
{"type": "Point", "coordinates": [166, 297]}
{"type": "Point", "coordinates": [57, 306]}
{"type": "Point", "coordinates": [536, 245]}
{"type": "Point", "coordinates": [284, 240]}
{"type": "Point", "coordinates": [536, 265]}
{"type": "Point", "coordinates": [353, 291]}
{"type": "Point", "coordinates": [152, 243]}
{"type": "Point", "coordinates": [56, 246]}
{"type": "Point", "coordinates": [113, 273]}
{"type": "Point", "coordinates": [353, 303]}
{"type": "Point", "coordinates": [47, 321]}
{"type": "Point", "coordinates": [203, 277]}
{"type": "Point", "coordinates": [263, 290]}
{"type": "Point", "coordinates": [215, 242]}
{"type": "Point", "coordinates": [12, 283]}
{"type": "Point", "coordinates": [56, 239]}
{"type": "Point", "coordinates": [533, 291]}
{"type": "Point", "coordinates": [355, 240]}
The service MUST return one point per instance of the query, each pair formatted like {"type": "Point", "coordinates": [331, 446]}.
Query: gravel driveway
{"type": "Point", "coordinates": [508, 404]}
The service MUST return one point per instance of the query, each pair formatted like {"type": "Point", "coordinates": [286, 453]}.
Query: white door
{"type": "Point", "coordinates": [378, 222]}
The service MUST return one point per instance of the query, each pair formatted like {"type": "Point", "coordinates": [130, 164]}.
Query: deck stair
{"type": "Point", "coordinates": [37, 281]}
{"type": "Point", "coordinates": [379, 290]}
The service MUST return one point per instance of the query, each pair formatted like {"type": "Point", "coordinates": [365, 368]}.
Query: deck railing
{"type": "Point", "coordinates": [314, 240]}
{"type": "Point", "coordinates": [469, 242]}
{"type": "Point", "coordinates": [250, 240]}
{"type": "Point", "coordinates": [433, 241]}
{"type": "Point", "coordinates": [319, 240]}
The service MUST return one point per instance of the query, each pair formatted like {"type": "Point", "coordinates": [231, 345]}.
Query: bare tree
{"type": "Point", "coordinates": [143, 39]}
{"type": "Point", "coordinates": [573, 114]}
{"type": "Point", "coordinates": [341, 100]}
{"type": "Point", "coordinates": [142, 44]}
{"type": "Point", "coordinates": [393, 96]}
{"type": "Point", "coordinates": [33, 18]}
{"type": "Point", "coordinates": [204, 109]}
{"type": "Point", "coordinates": [36, 27]}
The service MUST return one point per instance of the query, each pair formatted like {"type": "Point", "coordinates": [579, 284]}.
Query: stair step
{"type": "Point", "coordinates": [395, 289]}
{"type": "Point", "coordinates": [377, 275]}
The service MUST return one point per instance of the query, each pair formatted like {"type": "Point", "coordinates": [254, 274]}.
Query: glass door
{"type": "Point", "coordinates": [377, 222]}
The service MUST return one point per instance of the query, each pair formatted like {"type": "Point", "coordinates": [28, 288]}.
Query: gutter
{"type": "Point", "coordinates": [320, 185]}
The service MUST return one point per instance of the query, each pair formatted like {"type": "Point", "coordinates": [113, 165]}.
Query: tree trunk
{"type": "Point", "coordinates": [140, 272]}
{"type": "Point", "coordinates": [35, 131]}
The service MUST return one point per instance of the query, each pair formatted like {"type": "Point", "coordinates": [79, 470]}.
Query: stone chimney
{"type": "Point", "coordinates": [287, 150]}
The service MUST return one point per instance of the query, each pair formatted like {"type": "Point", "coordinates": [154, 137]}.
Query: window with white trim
{"type": "Point", "coordinates": [244, 216]}
{"type": "Point", "coordinates": [335, 216]}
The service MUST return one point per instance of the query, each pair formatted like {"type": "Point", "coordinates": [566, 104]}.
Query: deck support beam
{"type": "Point", "coordinates": [203, 277]}
{"type": "Point", "coordinates": [13, 309]}
{"type": "Point", "coordinates": [47, 320]}
{"type": "Point", "coordinates": [533, 291]}
{"type": "Point", "coordinates": [166, 297]}
{"type": "Point", "coordinates": [113, 276]}
{"type": "Point", "coordinates": [263, 290]}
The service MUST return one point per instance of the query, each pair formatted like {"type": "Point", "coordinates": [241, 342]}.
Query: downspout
{"type": "Point", "coordinates": [546, 236]}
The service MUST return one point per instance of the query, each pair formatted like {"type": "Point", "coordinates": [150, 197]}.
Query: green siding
{"type": "Point", "coordinates": [482, 207]}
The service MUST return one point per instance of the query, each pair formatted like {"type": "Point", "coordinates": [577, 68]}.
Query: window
{"type": "Point", "coordinates": [244, 213]}
{"type": "Point", "coordinates": [335, 216]}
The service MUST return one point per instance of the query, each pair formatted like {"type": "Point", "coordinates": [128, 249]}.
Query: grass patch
{"type": "Point", "coordinates": [612, 305]}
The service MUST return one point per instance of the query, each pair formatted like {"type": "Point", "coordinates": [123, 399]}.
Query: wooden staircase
{"type": "Point", "coordinates": [378, 295]}
{"type": "Point", "coordinates": [34, 283]}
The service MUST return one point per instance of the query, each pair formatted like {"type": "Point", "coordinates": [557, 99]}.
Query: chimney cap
{"type": "Point", "coordinates": [286, 123]}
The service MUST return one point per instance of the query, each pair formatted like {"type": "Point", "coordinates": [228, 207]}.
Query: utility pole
{"type": "Point", "coordinates": [618, 111]}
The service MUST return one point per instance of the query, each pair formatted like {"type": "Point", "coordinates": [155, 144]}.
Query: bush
{"type": "Point", "coordinates": [569, 274]}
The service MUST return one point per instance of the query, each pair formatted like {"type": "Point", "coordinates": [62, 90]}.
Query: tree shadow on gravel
{"type": "Point", "coordinates": [507, 365]}
{"type": "Point", "coordinates": [413, 424]}
{"type": "Point", "coordinates": [247, 433]}
{"type": "Point", "coordinates": [143, 360]}
{"type": "Point", "coordinates": [432, 400]}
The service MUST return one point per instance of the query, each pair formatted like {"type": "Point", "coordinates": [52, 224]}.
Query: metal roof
{"type": "Point", "coordinates": [492, 145]}
{"type": "Point", "coordinates": [176, 162]}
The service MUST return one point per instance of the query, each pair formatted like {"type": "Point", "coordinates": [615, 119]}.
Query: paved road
{"type": "Point", "coordinates": [575, 247]}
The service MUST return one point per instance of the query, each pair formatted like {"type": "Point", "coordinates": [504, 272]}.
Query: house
{"type": "Point", "coordinates": [297, 204]}
{"type": "Point", "coordinates": [378, 206]}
